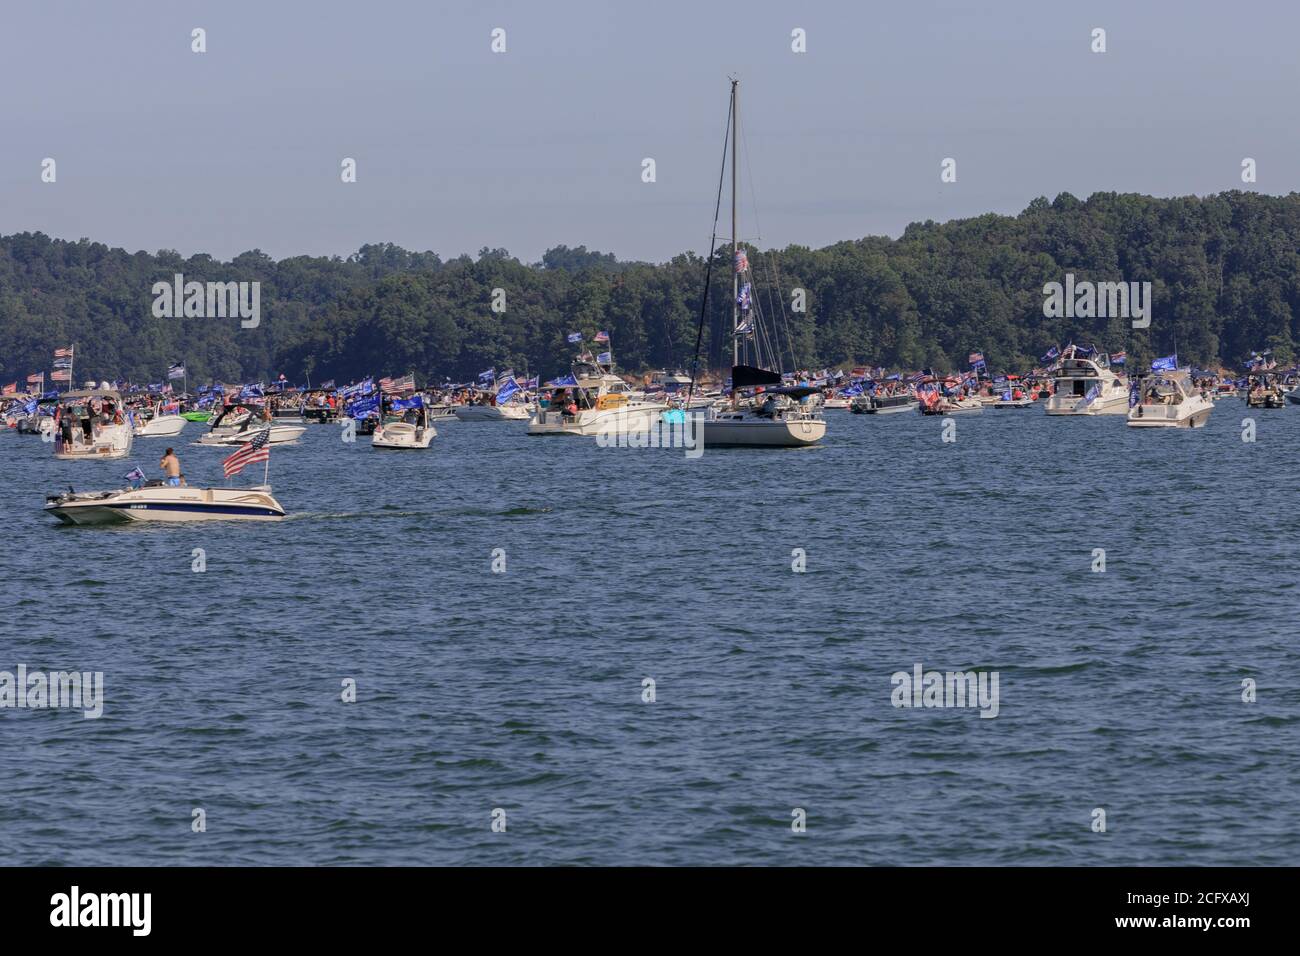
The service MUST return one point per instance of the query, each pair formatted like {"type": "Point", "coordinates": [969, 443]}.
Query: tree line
{"type": "Point", "coordinates": [1224, 273]}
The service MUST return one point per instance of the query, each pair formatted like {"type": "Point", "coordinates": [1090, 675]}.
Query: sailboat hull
{"type": "Point", "coordinates": [747, 432]}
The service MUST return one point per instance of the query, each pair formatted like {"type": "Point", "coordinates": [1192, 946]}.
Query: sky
{"type": "Point", "coordinates": [458, 147]}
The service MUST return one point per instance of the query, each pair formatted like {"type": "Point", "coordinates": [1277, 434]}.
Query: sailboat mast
{"type": "Point", "coordinates": [735, 241]}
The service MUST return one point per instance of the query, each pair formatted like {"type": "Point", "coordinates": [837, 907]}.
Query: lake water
{"type": "Point", "coordinates": [523, 690]}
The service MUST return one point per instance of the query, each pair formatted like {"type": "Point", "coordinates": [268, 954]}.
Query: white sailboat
{"type": "Point", "coordinates": [779, 416]}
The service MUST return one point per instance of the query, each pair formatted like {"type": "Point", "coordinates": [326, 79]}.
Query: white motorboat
{"type": "Point", "coordinates": [594, 401]}
{"type": "Point", "coordinates": [836, 402]}
{"type": "Point", "coordinates": [1085, 385]}
{"type": "Point", "coordinates": [404, 434]}
{"type": "Point", "coordinates": [939, 405]}
{"type": "Point", "coordinates": [1168, 400]}
{"type": "Point", "coordinates": [1264, 390]}
{"type": "Point", "coordinates": [155, 423]}
{"type": "Point", "coordinates": [92, 426]}
{"type": "Point", "coordinates": [237, 424]}
{"type": "Point", "coordinates": [157, 501]}
{"type": "Point", "coordinates": [509, 412]}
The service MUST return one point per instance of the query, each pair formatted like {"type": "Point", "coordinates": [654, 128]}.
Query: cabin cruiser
{"type": "Point", "coordinates": [834, 400]}
{"type": "Point", "coordinates": [92, 426]}
{"type": "Point", "coordinates": [411, 431]}
{"type": "Point", "coordinates": [238, 424]}
{"type": "Point", "coordinates": [1167, 400]}
{"type": "Point", "coordinates": [592, 400]}
{"type": "Point", "coordinates": [158, 422]}
{"type": "Point", "coordinates": [865, 404]}
{"type": "Point", "coordinates": [158, 501]}
{"type": "Point", "coordinates": [1086, 386]}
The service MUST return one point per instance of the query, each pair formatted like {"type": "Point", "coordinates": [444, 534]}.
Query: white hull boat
{"type": "Point", "coordinates": [491, 413]}
{"type": "Point", "coordinates": [590, 422]}
{"type": "Point", "coordinates": [744, 429]}
{"type": "Point", "coordinates": [279, 435]}
{"type": "Point", "coordinates": [160, 502]}
{"type": "Point", "coordinates": [103, 441]}
{"type": "Point", "coordinates": [1167, 400]}
{"type": "Point", "coordinates": [160, 426]}
{"type": "Point", "coordinates": [399, 435]}
{"type": "Point", "coordinates": [1086, 386]}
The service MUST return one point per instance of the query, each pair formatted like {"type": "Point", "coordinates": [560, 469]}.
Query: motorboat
{"type": "Point", "coordinates": [159, 421]}
{"type": "Point", "coordinates": [237, 424]}
{"type": "Point", "coordinates": [158, 501]}
{"type": "Point", "coordinates": [92, 426]}
{"type": "Point", "coordinates": [1167, 400]}
{"type": "Point", "coordinates": [836, 401]}
{"type": "Point", "coordinates": [933, 403]}
{"type": "Point", "coordinates": [1012, 400]}
{"type": "Point", "coordinates": [476, 412]}
{"type": "Point", "coordinates": [1085, 385]}
{"type": "Point", "coordinates": [1264, 390]}
{"type": "Point", "coordinates": [592, 401]}
{"type": "Point", "coordinates": [865, 404]}
{"type": "Point", "coordinates": [399, 434]}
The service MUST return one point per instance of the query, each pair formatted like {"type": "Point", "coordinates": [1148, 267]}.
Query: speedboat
{"type": "Point", "coordinates": [156, 423]}
{"type": "Point", "coordinates": [509, 412]}
{"type": "Point", "coordinates": [93, 426]}
{"type": "Point", "coordinates": [1167, 400]}
{"type": "Point", "coordinates": [237, 424]}
{"type": "Point", "coordinates": [835, 401]}
{"type": "Point", "coordinates": [401, 434]}
{"type": "Point", "coordinates": [158, 501]}
{"type": "Point", "coordinates": [591, 401]}
{"type": "Point", "coordinates": [932, 403]}
{"type": "Point", "coordinates": [1009, 400]}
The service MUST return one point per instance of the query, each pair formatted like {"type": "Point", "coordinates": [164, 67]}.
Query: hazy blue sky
{"type": "Point", "coordinates": [459, 148]}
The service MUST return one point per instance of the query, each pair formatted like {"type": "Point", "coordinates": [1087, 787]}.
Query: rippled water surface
{"type": "Point", "coordinates": [1119, 690]}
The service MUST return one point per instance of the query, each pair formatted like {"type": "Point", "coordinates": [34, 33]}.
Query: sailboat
{"type": "Point", "coordinates": [777, 415]}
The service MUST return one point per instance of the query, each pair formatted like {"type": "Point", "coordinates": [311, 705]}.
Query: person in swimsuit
{"type": "Point", "coordinates": [171, 466]}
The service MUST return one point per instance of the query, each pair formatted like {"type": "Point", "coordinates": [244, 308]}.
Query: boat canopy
{"type": "Point", "coordinates": [748, 376]}
{"type": "Point", "coordinates": [84, 393]}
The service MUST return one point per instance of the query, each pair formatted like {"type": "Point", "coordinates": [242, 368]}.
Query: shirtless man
{"type": "Point", "coordinates": [171, 466]}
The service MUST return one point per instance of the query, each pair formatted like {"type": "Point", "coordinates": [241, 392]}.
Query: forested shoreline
{"type": "Point", "coordinates": [1225, 274]}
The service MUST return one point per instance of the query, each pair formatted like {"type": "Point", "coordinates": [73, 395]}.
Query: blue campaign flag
{"type": "Point", "coordinates": [604, 358]}
{"type": "Point", "coordinates": [575, 337]}
{"type": "Point", "coordinates": [402, 404]}
{"type": "Point", "coordinates": [507, 390]}
{"type": "Point", "coordinates": [135, 474]}
{"type": "Point", "coordinates": [363, 406]}
{"type": "Point", "coordinates": [487, 376]}
{"type": "Point", "coordinates": [1133, 393]}
{"type": "Point", "coordinates": [1052, 353]}
{"type": "Point", "coordinates": [1167, 364]}
{"type": "Point", "coordinates": [566, 382]}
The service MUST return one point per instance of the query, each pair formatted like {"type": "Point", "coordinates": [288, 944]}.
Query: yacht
{"type": "Point", "coordinates": [1085, 385]}
{"type": "Point", "coordinates": [158, 501]}
{"type": "Point", "coordinates": [1168, 400]}
{"type": "Point", "coordinates": [591, 401]}
{"type": "Point", "coordinates": [92, 426]}
{"type": "Point", "coordinates": [400, 434]}
{"type": "Point", "coordinates": [156, 422]}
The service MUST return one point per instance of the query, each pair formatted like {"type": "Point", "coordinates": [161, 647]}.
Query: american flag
{"type": "Point", "coordinates": [37, 378]}
{"type": "Point", "coordinates": [249, 454]}
{"type": "Point", "coordinates": [61, 375]}
{"type": "Point", "coordinates": [400, 386]}
{"type": "Point", "coordinates": [63, 353]}
{"type": "Point", "coordinates": [602, 336]}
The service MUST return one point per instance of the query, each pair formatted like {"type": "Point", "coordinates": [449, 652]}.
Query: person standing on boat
{"type": "Point", "coordinates": [171, 466]}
